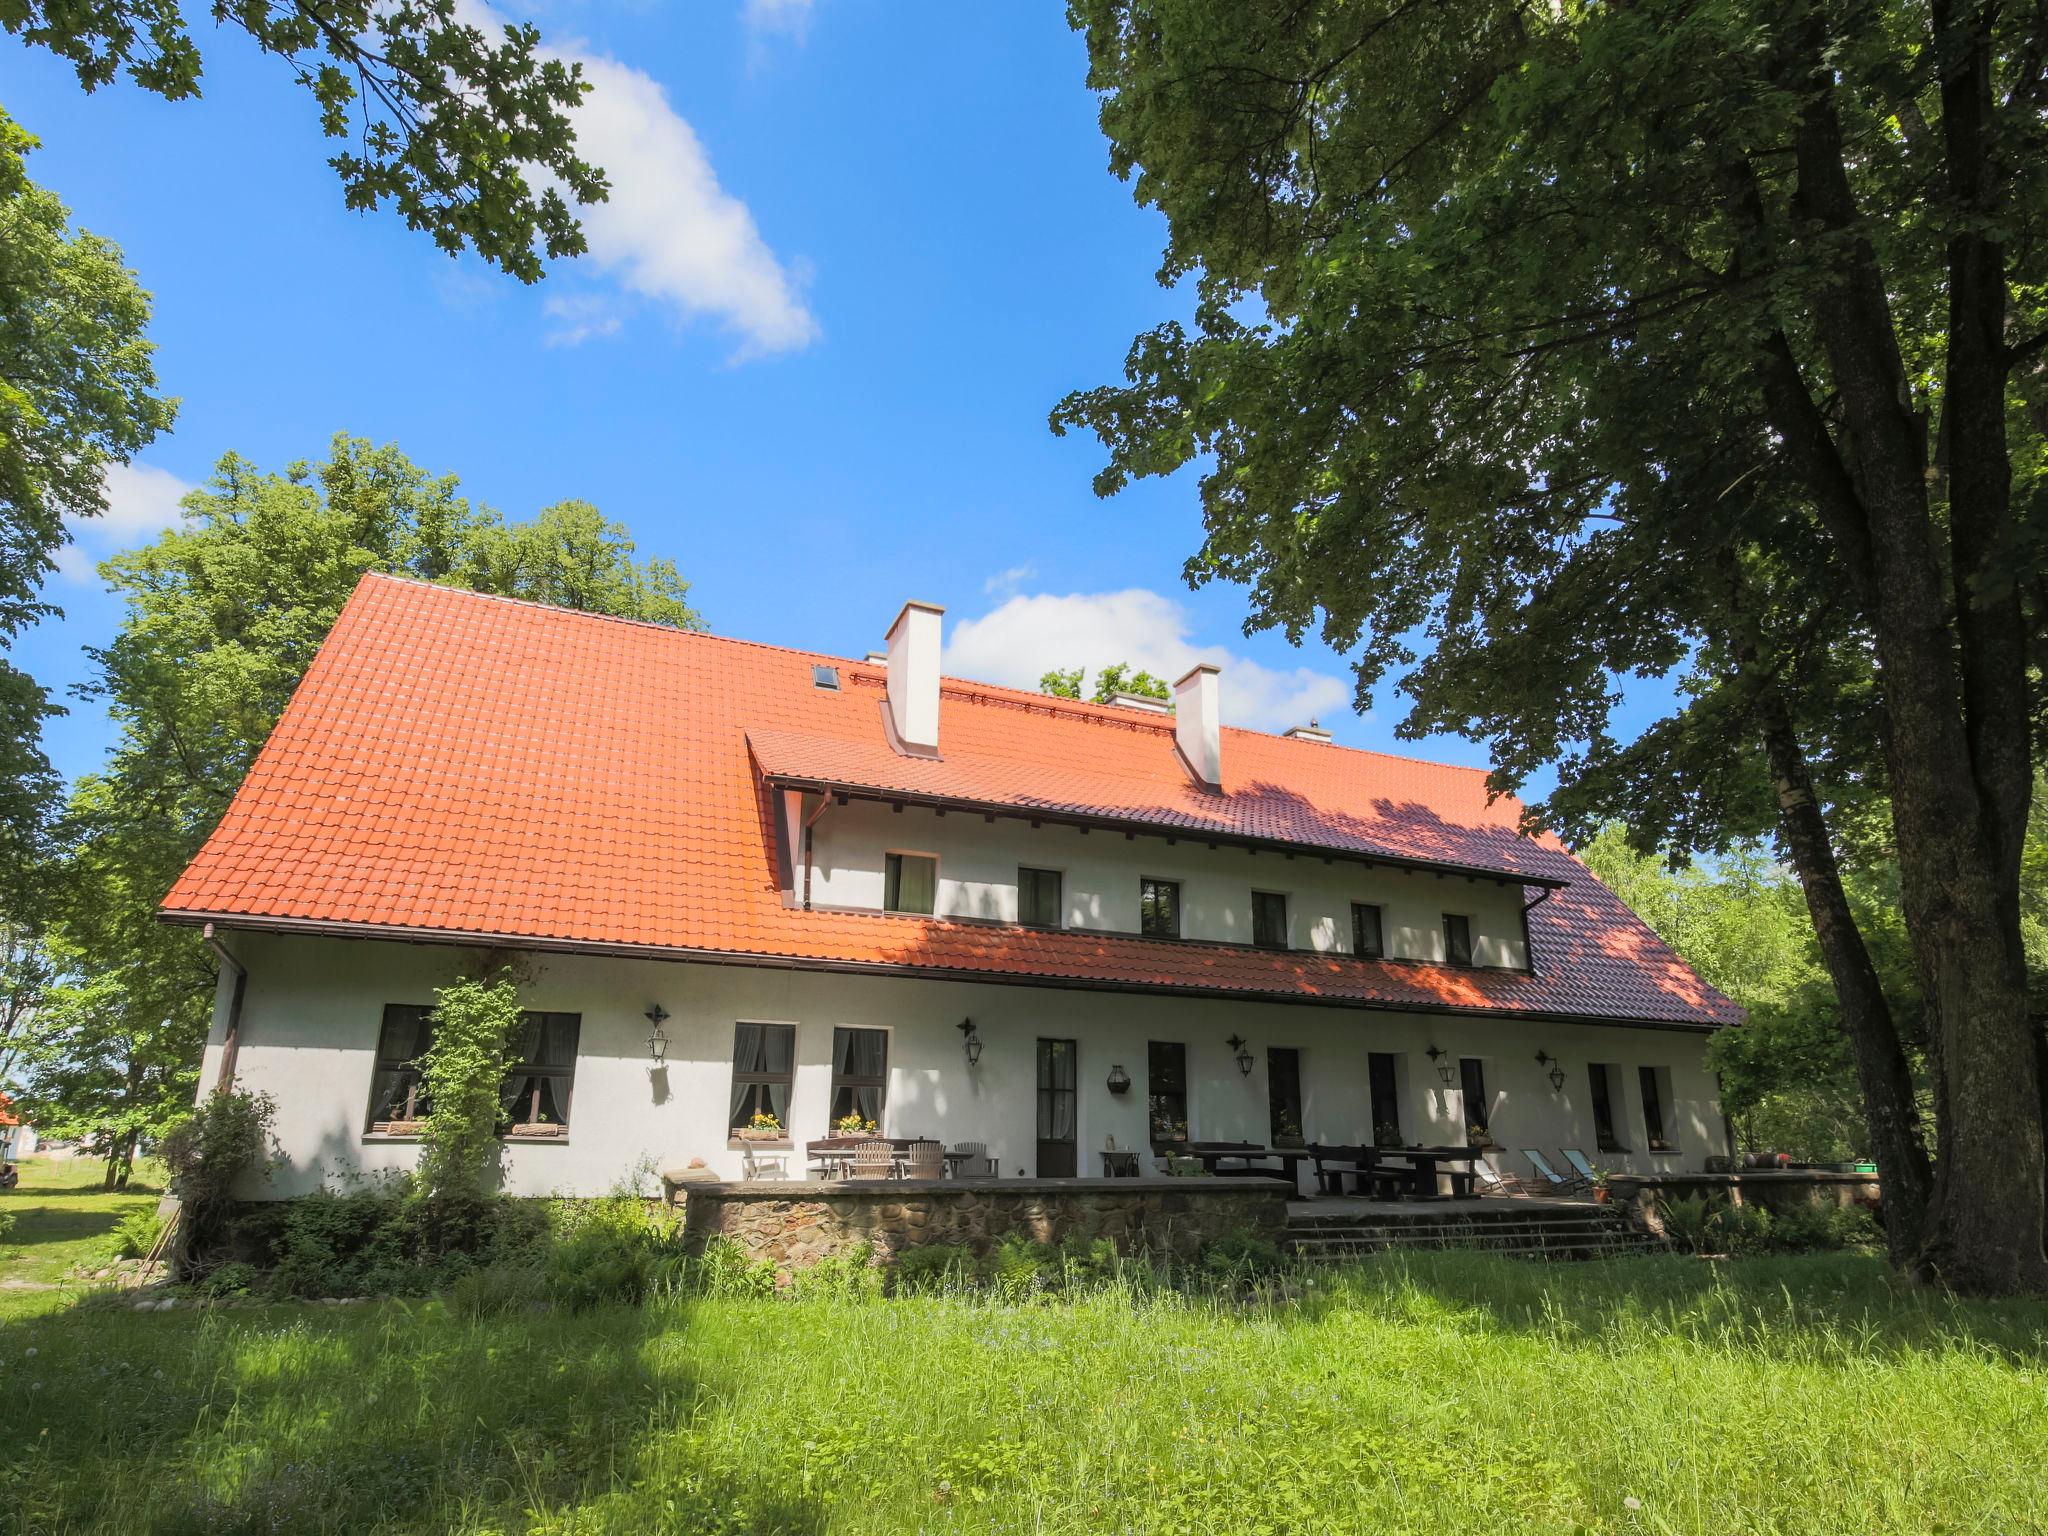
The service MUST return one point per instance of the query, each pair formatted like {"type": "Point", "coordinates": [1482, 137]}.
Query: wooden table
{"type": "Point", "coordinates": [1214, 1154]}
{"type": "Point", "coordinates": [831, 1162]}
{"type": "Point", "coordinates": [1424, 1161]}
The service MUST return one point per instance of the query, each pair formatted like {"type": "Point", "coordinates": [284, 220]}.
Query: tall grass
{"type": "Point", "coordinates": [1444, 1392]}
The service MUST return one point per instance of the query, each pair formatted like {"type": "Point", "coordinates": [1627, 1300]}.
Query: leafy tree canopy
{"type": "Point", "coordinates": [464, 127]}
{"type": "Point", "coordinates": [1111, 680]}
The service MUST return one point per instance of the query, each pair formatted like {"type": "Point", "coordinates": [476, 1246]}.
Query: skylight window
{"type": "Point", "coordinates": [825, 677]}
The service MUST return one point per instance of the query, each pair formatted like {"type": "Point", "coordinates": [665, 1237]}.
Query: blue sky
{"type": "Point", "coordinates": [855, 253]}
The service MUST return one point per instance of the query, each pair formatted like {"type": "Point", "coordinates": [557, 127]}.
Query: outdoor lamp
{"type": "Point", "coordinates": [1544, 1058]}
{"type": "Point", "coordinates": [1243, 1052]}
{"type": "Point", "coordinates": [657, 1039]}
{"type": "Point", "coordinates": [970, 1041]}
{"type": "Point", "coordinates": [1119, 1080]}
{"type": "Point", "coordinates": [1444, 1073]}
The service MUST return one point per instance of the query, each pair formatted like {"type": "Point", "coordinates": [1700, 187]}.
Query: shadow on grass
{"type": "Point", "coordinates": [1809, 1305]}
{"type": "Point", "coordinates": [38, 1224]}
{"type": "Point", "coordinates": [389, 1417]}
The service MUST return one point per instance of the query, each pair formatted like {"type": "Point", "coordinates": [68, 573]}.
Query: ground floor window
{"type": "Point", "coordinates": [1605, 1131]}
{"type": "Point", "coordinates": [763, 1073]}
{"type": "Point", "coordinates": [1656, 1086]}
{"type": "Point", "coordinates": [1472, 1079]}
{"type": "Point", "coordinates": [860, 1074]}
{"type": "Point", "coordinates": [1166, 1093]}
{"type": "Point", "coordinates": [1283, 1094]}
{"type": "Point", "coordinates": [1386, 1100]}
{"type": "Point", "coordinates": [533, 1095]}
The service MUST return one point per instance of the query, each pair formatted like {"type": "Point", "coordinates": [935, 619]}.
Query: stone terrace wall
{"type": "Point", "coordinates": [795, 1225]}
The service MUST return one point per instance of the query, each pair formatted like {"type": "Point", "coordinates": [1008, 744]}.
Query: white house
{"type": "Point", "coordinates": [828, 887]}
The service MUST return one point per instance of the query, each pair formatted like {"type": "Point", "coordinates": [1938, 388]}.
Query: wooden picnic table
{"type": "Point", "coordinates": [1424, 1161]}
{"type": "Point", "coordinates": [1214, 1154]}
{"type": "Point", "coordinates": [830, 1157]}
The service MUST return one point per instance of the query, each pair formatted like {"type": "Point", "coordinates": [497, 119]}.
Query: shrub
{"type": "Point", "coordinates": [134, 1236]}
{"type": "Point", "coordinates": [6, 1225]}
{"type": "Point", "coordinates": [234, 1279]}
{"type": "Point", "coordinates": [725, 1270]}
{"type": "Point", "coordinates": [849, 1274]}
{"type": "Point", "coordinates": [933, 1267]}
{"type": "Point", "coordinates": [598, 1267]}
{"type": "Point", "coordinates": [1241, 1255]}
{"type": "Point", "coordinates": [206, 1152]}
{"type": "Point", "coordinates": [494, 1289]}
{"type": "Point", "coordinates": [1017, 1266]}
{"type": "Point", "coordinates": [1693, 1222]}
{"type": "Point", "coordinates": [1087, 1260]}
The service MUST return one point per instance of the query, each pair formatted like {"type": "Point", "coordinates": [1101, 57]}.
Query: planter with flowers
{"type": "Point", "coordinates": [853, 1125]}
{"type": "Point", "coordinates": [1601, 1178]}
{"type": "Point", "coordinates": [763, 1127]}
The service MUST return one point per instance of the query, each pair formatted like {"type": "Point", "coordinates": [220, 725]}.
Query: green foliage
{"type": "Point", "coordinates": [1242, 1255]}
{"type": "Point", "coordinates": [6, 1226]}
{"type": "Point", "coordinates": [233, 1279]}
{"type": "Point", "coordinates": [932, 1267]}
{"type": "Point", "coordinates": [1111, 680]}
{"type": "Point", "coordinates": [209, 1149]}
{"type": "Point", "coordinates": [476, 1021]}
{"type": "Point", "coordinates": [134, 1236]}
{"type": "Point", "coordinates": [724, 1270]}
{"type": "Point", "coordinates": [379, 1242]}
{"type": "Point", "coordinates": [461, 123]}
{"type": "Point", "coordinates": [77, 396]}
{"type": "Point", "coordinates": [1017, 1267]}
{"type": "Point", "coordinates": [850, 1275]}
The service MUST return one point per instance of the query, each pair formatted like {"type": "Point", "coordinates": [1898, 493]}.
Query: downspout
{"type": "Point", "coordinates": [1528, 944]}
{"type": "Point", "coordinates": [824, 799]}
{"type": "Point", "coordinates": [231, 1042]}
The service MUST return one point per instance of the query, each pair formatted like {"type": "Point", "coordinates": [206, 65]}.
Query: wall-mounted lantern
{"type": "Point", "coordinates": [1119, 1080]}
{"type": "Point", "coordinates": [1445, 1072]}
{"type": "Point", "coordinates": [657, 1037]}
{"type": "Point", "coordinates": [970, 1041]}
{"type": "Point", "coordinates": [1242, 1054]}
{"type": "Point", "coordinates": [1545, 1059]}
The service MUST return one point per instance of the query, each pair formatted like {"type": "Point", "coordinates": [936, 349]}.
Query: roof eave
{"type": "Point", "coordinates": [1141, 828]}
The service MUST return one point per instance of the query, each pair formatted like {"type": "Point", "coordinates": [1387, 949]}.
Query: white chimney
{"type": "Point", "coordinates": [1197, 730]}
{"type": "Point", "coordinates": [914, 679]}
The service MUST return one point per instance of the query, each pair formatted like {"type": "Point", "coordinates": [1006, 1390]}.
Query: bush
{"type": "Point", "coordinates": [1017, 1266]}
{"type": "Point", "coordinates": [933, 1267]}
{"type": "Point", "coordinates": [1087, 1260]}
{"type": "Point", "coordinates": [6, 1225]}
{"type": "Point", "coordinates": [1693, 1222]}
{"type": "Point", "coordinates": [236, 1279]}
{"type": "Point", "coordinates": [206, 1152]}
{"type": "Point", "coordinates": [725, 1270]}
{"type": "Point", "coordinates": [599, 1267]}
{"type": "Point", "coordinates": [849, 1274]}
{"type": "Point", "coordinates": [134, 1236]}
{"type": "Point", "coordinates": [475, 1022]}
{"type": "Point", "coordinates": [1242, 1255]}
{"type": "Point", "coordinates": [495, 1289]}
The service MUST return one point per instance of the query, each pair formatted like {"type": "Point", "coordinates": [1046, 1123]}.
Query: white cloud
{"type": "Point", "coordinates": [142, 501]}
{"type": "Point", "coordinates": [669, 232]}
{"type": "Point", "coordinates": [1007, 582]}
{"type": "Point", "coordinates": [784, 18]}
{"type": "Point", "coordinates": [578, 317]}
{"type": "Point", "coordinates": [1027, 636]}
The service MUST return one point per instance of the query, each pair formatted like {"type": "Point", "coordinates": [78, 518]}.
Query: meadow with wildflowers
{"type": "Point", "coordinates": [1446, 1392]}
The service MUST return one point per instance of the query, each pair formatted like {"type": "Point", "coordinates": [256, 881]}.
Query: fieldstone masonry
{"type": "Point", "coordinates": [795, 1225]}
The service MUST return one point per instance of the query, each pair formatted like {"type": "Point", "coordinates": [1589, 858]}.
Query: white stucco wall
{"type": "Point", "coordinates": [978, 864]}
{"type": "Point", "coordinates": [313, 1006]}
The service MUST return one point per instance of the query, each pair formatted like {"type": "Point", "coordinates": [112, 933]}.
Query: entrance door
{"type": "Point", "coordinates": [1057, 1103]}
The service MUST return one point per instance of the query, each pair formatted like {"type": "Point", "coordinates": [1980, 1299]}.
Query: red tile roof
{"type": "Point", "coordinates": [467, 767]}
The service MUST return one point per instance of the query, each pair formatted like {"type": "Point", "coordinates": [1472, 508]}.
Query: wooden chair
{"type": "Point", "coordinates": [924, 1160]}
{"type": "Point", "coordinates": [1493, 1181]}
{"type": "Point", "coordinates": [977, 1164]}
{"type": "Point", "coordinates": [1345, 1163]}
{"type": "Point", "coordinates": [872, 1160]}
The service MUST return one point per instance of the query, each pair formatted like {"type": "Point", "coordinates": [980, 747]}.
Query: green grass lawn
{"type": "Point", "coordinates": [1453, 1393]}
{"type": "Point", "coordinates": [61, 1220]}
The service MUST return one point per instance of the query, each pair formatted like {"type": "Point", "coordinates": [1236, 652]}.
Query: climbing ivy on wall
{"type": "Point", "coordinates": [476, 1020]}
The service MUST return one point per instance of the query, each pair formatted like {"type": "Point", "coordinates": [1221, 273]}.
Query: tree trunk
{"type": "Point", "coordinates": [1950, 811]}
{"type": "Point", "coordinates": [1881, 1068]}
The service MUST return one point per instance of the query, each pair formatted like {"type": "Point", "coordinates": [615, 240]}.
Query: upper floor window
{"type": "Point", "coordinates": [1159, 908]}
{"type": "Point", "coordinates": [1269, 919]}
{"type": "Point", "coordinates": [1038, 898]}
{"type": "Point", "coordinates": [1457, 939]}
{"type": "Point", "coordinates": [1368, 937]}
{"type": "Point", "coordinates": [911, 883]}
